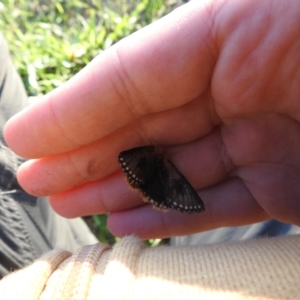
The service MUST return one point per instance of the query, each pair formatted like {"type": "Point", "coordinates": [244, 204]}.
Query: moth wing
{"type": "Point", "coordinates": [181, 195]}
{"type": "Point", "coordinates": [156, 189]}
{"type": "Point", "coordinates": [158, 180]}
{"type": "Point", "coordinates": [136, 165]}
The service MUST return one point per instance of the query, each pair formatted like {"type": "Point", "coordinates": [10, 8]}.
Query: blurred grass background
{"type": "Point", "coordinates": [50, 41]}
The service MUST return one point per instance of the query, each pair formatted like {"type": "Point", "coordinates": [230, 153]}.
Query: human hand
{"type": "Point", "coordinates": [217, 83]}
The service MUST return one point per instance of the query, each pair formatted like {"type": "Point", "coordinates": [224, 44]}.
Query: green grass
{"type": "Point", "coordinates": [50, 41]}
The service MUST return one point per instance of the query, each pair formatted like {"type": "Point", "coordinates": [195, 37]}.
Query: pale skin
{"type": "Point", "coordinates": [215, 83]}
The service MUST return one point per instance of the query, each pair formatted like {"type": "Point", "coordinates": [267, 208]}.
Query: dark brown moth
{"type": "Point", "coordinates": [158, 180]}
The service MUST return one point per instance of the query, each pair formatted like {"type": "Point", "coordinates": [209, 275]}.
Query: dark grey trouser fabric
{"type": "Point", "coordinates": [28, 225]}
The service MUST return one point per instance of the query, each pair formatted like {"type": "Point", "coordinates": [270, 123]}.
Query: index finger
{"type": "Point", "coordinates": [160, 67]}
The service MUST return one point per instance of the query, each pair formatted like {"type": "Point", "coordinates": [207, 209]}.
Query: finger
{"type": "Point", "coordinates": [51, 175]}
{"type": "Point", "coordinates": [99, 160]}
{"type": "Point", "coordinates": [226, 204]}
{"type": "Point", "coordinates": [98, 197]}
{"type": "Point", "coordinates": [150, 71]}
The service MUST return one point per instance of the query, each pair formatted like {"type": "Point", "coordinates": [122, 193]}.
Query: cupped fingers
{"type": "Point", "coordinates": [57, 173]}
